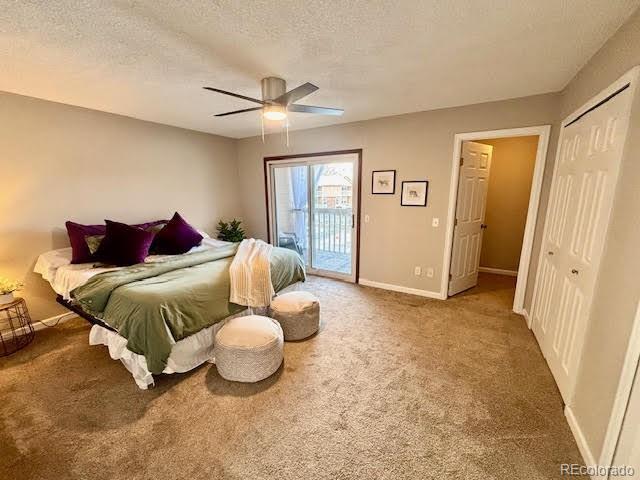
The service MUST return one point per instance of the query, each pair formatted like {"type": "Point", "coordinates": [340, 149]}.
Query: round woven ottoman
{"type": "Point", "coordinates": [298, 313]}
{"type": "Point", "coordinates": [248, 349]}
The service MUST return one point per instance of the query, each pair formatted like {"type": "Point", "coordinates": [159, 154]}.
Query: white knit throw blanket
{"type": "Point", "coordinates": [250, 274]}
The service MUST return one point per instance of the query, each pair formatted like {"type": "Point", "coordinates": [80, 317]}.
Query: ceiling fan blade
{"type": "Point", "coordinates": [238, 111]}
{"type": "Point", "coordinates": [317, 110]}
{"type": "Point", "coordinates": [237, 95]}
{"type": "Point", "coordinates": [296, 94]}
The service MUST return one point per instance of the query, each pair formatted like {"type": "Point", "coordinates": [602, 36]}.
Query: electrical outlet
{"type": "Point", "coordinates": [417, 271]}
{"type": "Point", "coordinates": [430, 272]}
{"type": "Point", "coordinates": [435, 222]}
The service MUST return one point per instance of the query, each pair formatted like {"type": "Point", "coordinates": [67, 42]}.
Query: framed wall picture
{"type": "Point", "coordinates": [383, 182]}
{"type": "Point", "coordinates": [414, 193]}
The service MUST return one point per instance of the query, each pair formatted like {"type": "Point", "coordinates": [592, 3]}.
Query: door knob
{"type": "Point", "coordinates": [483, 226]}
{"type": "Point", "coordinates": [549, 252]}
{"type": "Point", "coordinates": [574, 271]}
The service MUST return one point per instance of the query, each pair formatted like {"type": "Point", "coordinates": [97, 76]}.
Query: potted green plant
{"type": "Point", "coordinates": [230, 231]}
{"type": "Point", "coordinates": [7, 287]}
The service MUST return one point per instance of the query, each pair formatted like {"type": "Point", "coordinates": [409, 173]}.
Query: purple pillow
{"type": "Point", "coordinates": [79, 248]}
{"type": "Point", "coordinates": [80, 252]}
{"type": "Point", "coordinates": [176, 237]}
{"type": "Point", "coordinates": [124, 244]}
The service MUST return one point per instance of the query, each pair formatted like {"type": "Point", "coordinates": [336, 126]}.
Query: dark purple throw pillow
{"type": "Point", "coordinates": [79, 248]}
{"type": "Point", "coordinates": [176, 237]}
{"type": "Point", "coordinates": [77, 232]}
{"type": "Point", "coordinates": [124, 244]}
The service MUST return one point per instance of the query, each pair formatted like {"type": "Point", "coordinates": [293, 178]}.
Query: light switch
{"type": "Point", "coordinates": [435, 222]}
{"type": "Point", "coordinates": [366, 218]}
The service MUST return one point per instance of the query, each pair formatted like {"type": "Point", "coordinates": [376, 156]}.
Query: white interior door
{"type": "Point", "coordinates": [471, 205]}
{"type": "Point", "coordinates": [582, 193]}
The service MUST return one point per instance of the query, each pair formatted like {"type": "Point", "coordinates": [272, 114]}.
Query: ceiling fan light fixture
{"type": "Point", "coordinates": [274, 112]}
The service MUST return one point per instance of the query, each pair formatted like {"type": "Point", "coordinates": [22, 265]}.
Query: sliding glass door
{"type": "Point", "coordinates": [313, 207]}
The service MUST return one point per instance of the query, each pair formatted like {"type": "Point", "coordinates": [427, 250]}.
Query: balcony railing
{"type": "Point", "coordinates": [332, 229]}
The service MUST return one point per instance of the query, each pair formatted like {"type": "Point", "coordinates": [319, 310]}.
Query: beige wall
{"type": "Point", "coordinates": [618, 287]}
{"type": "Point", "coordinates": [418, 146]}
{"type": "Point", "coordinates": [60, 162]}
{"type": "Point", "coordinates": [512, 165]}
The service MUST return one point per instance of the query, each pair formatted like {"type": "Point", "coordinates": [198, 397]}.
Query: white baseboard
{"type": "Point", "coordinates": [53, 321]}
{"type": "Point", "coordinates": [399, 288]}
{"type": "Point", "coordinates": [498, 271]}
{"type": "Point", "coordinates": [525, 314]}
{"type": "Point", "coordinates": [585, 451]}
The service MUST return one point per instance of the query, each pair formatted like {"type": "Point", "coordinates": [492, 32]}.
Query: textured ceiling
{"type": "Point", "coordinates": [150, 59]}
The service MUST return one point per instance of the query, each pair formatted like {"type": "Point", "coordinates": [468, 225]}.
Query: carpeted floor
{"type": "Point", "coordinates": [393, 387]}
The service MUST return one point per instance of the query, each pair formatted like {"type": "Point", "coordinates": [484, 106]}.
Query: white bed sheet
{"type": "Point", "coordinates": [55, 267]}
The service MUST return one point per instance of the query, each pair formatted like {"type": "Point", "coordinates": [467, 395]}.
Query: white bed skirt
{"type": "Point", "coordinates": [186, 354]}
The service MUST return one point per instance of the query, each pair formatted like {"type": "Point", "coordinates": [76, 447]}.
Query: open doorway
{"type": "Point", "coordinates": [495, 191]}
{"type": "Point", "coordinates": [513, 162]}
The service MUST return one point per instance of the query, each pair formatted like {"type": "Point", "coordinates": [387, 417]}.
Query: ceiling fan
{"type": "Point", "coordinates": [277, 102]}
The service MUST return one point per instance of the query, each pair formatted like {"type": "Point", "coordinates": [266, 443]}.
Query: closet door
{"type": "Point", "coordinates": [582, 195]}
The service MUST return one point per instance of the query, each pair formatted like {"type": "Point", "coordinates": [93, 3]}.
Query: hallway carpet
{"type": "Point", "coordinates": [392, 387]}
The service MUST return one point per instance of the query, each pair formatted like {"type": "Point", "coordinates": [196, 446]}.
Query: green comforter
{"type": "Point", "coordinates": [154, 304]}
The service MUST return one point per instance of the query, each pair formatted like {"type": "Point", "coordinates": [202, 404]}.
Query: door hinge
{"type": "Point", "coordinates": [461, 161]}
{"type": "Point", "coordinates": [450, 276]}
{"type": "Point", "coordinates": [455, 222]}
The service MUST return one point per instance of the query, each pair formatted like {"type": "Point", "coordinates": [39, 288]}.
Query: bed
{"type": "Point", "coordinates": [159, 316]}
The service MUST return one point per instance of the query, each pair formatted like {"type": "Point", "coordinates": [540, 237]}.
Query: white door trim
{"type": "Point", "coordinates": [543, 132]}
{"type": "Point", "coordinates": [627, 377]}
{"type": "Point", "coordinates": [629, 77]}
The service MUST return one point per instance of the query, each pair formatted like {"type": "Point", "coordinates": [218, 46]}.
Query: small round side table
{"type": "Point", "coordinates": [16, 330]}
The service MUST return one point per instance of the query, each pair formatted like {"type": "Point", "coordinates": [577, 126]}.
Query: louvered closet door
{"type": "Point", "coordinates": [582, 194]}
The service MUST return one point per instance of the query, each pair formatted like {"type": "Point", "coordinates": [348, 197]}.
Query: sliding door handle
{"type": "Point", "coordinates": [483, 226]}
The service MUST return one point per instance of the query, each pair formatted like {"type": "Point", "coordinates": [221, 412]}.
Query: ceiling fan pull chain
{"type": "Point", "coordinates": [287, 127]}
{"type": "Point", "coordinates": [262, 126]}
